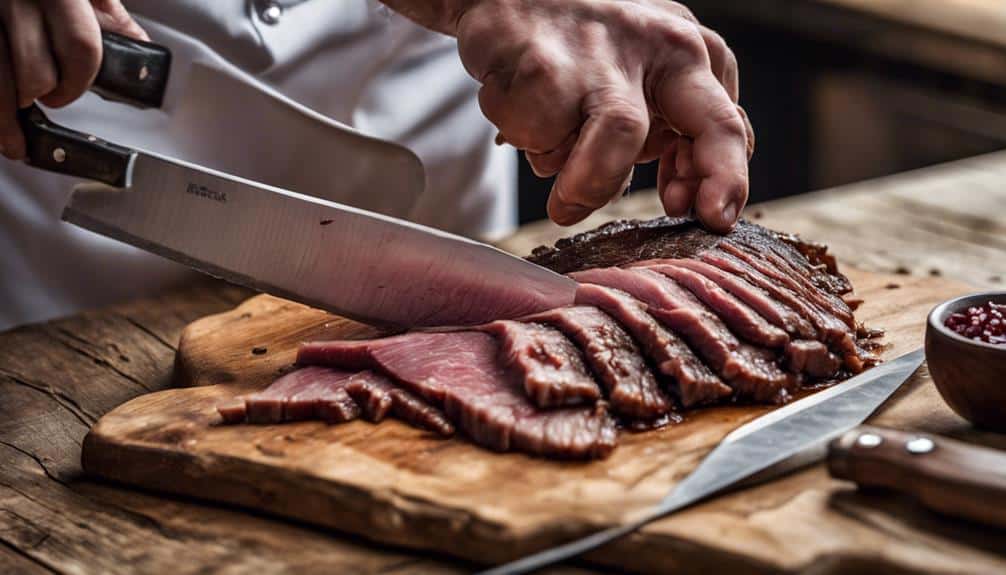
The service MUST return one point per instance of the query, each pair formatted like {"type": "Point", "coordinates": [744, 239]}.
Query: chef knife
{"type": "Point", "coordinates": [804, 426]}
{"type": "Point", "coordinates": [352, 262]}
{"type": "Point", "coordinates": [947, 476]}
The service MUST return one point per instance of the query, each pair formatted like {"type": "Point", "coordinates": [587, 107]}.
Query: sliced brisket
{"type": "Point", "coordinates": [752, 372]}
{"type": "Point", "coordinates": [461, 372]}
{"type": "Point", "coordinates": [775, 267]}
{"type": "Point", "coordinates": [313, 393]}
{"type": "Point", "coordinates": [632, 389]}
{"type": "Point", "coordinates": [744, 321]}
{"type": "Point", "coordinates": [550, 366]}
{"type": "Point", "coordinates": [771, 309]}
{"type": "Point", "coordinates": [738, 316]}
{"type": "Point", "coordinates": [714, 316]}
{"type": "Point", "coordinates": [834, 331]}
{"type": "Point", "coordinates": [334, 396]}
{"type": "Point", "coordinates": [812, 358]}
{"type": "Point", "coordinates": [694, 382]}
{"type": "Point", "coordinates": [377, 396]}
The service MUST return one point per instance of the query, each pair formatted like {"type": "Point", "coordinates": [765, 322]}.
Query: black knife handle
{"type": "Point", "coordinates": [132, 71]}
{"type": "Point", "coordinates": [57, 149]}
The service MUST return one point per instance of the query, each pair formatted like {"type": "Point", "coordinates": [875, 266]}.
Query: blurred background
{"type": "Point", "coordinates": [845, 90]}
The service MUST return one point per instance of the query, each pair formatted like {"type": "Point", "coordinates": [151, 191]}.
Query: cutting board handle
{"type": "Point", "coordinates": [132, 71]}
{"type": "Point", "coordinates": [54, 148]}
{"type": "Point", "coordinates": [947, 476]}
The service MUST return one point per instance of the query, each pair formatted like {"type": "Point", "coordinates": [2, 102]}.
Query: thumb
{"type": "Point", "coordinates": [113, 17]}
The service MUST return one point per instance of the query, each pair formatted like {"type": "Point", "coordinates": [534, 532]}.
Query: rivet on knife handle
{"type": "Point", "coordinates": [132, 71]}
{"type": "Point", "coordinates": [947, 476]}
{"type": "Point", "coordinates": [58, 149]}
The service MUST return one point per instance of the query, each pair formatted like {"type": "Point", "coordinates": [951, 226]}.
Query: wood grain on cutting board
{"type": "Point", "coordinates": [395, 484]}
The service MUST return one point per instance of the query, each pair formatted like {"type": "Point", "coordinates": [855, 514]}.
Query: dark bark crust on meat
{"type": "Point", "coordinates": [626, 241]}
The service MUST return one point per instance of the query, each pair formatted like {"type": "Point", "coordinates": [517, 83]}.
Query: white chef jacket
{"type": "Point", "coordinates": [353, 61]}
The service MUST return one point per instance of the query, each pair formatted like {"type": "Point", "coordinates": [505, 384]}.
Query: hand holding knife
{"type": "Point", "coordinates": [360, 264]}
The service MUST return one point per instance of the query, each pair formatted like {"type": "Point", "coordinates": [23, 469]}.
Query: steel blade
{"type": "Point", "coordinates": [796, 429]}
{"type": "Point", "coordinates": [349, 261]}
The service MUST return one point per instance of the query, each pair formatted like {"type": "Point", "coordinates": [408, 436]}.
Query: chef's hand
{"type": "Point", "coordinates": [589, 88]}
{"type": "Point", "coordinates": [50, 50]}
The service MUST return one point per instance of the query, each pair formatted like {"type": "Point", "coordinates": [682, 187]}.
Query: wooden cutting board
{"type": "Point", "coordinates": [398, 485]}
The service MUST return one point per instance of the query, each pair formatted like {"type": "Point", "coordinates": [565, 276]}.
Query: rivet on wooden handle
{"type": "Point", "coordinates": [947, 476]}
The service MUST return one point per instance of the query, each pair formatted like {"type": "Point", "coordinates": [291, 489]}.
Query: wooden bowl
{"type": "Point", "coordinates": [970, 375]}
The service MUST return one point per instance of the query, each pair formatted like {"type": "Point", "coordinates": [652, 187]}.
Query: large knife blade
{"type": "Point", "coordinates": [351, 261]}
{"type": "Point", "coordinates": [803, 426]}
{"type": "Point", "coordinates": [356, 263]}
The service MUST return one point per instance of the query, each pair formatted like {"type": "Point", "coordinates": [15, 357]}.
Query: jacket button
{"type": "Point", "coordinates": [271, 13]}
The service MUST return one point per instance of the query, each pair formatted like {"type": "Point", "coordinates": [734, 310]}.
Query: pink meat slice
{"type": "Point", "coordinates": [803, 356]}
{"type": "Point", "coordinates": [694, 382]}
{"type": "Point", "coordinates": [460, 372]}
{"type": "Point", "coordinates": [813, 358]}
{"type": "Point", "coordinates": [551, 367]}
{"type": "Point", "coordinates": [613, 356]}
{"type": "Point", "coordinates": [771, 309]}
{"type": "Point", "coordinates": [832, 330]}
{"type": "Point", "coordinates": [752, 372]}
{"type": "Point", "coordinates": [770, 264]}
{"type": "Point", "coordinates": [378, 397]}
{"type": "Point", "coordinates": [303, 394]}
{"type": "Point", "coordinates": [739, 317]}
{"type": "Point", "coordinates": [333, 396]}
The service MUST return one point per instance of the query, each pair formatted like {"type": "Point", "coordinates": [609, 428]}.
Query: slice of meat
{"type": "Point", "coordinates": [309, 393]}
{"type": "Point", "coordinates": [550, 366]}
{"type": "Point", "coordinates": [771, 309]}
{"type": "Point", "coordinates": [750, 371]}
{"type": "Point", "coordinates": [832, 330]}
{"type": "Point", "coordinates": [460, 371]}
{"type": "Point", "coordinates": [377, 396]}
{"type": "Point", "coordinates": [776, 268]}
{"type": "Point", "coordinates": [805, 356]}
{"type": "Point", "coordinates": [739, 317]}
{"type": "Point", "coordinates": [233, 411]}
{"type": "Point", "coordinates": [613, 356]}
{"type": "Point", "coordinates": [810, 260]}
{"type": "Point", "coordinates": [812, 358]}
{"type": "Point", "coordinates": [334, 396]}
{"type": "Point", "coordinates": [323, 397]}
{"type": "Point", "coordinates": [304, 394]}
{"type": "Point", "coordinates": [694, 382]}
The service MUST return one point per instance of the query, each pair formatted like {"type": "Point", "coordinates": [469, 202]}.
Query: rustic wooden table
{"type": "Point", "coordinates": [57, 378]}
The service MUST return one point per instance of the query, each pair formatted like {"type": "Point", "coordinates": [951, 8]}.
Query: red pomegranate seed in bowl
{"type": "Point", "coordinates": [986, 323]}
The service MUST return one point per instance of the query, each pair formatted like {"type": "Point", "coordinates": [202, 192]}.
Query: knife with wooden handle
{"type": "Point", "coordinates": [947, 476]}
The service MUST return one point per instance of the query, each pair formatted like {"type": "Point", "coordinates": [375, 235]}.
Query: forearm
{"type": "Point", "coordinates": [439, 15]}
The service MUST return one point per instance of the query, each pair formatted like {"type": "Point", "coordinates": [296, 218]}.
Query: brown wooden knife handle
{"type": "Point", "coordinates": [945, 475]}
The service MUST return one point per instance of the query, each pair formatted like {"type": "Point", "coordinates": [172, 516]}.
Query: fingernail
{"type": "Point", "coordinates": [730, 213]}
{"type": "Point", "coordinates": [567, 215]}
